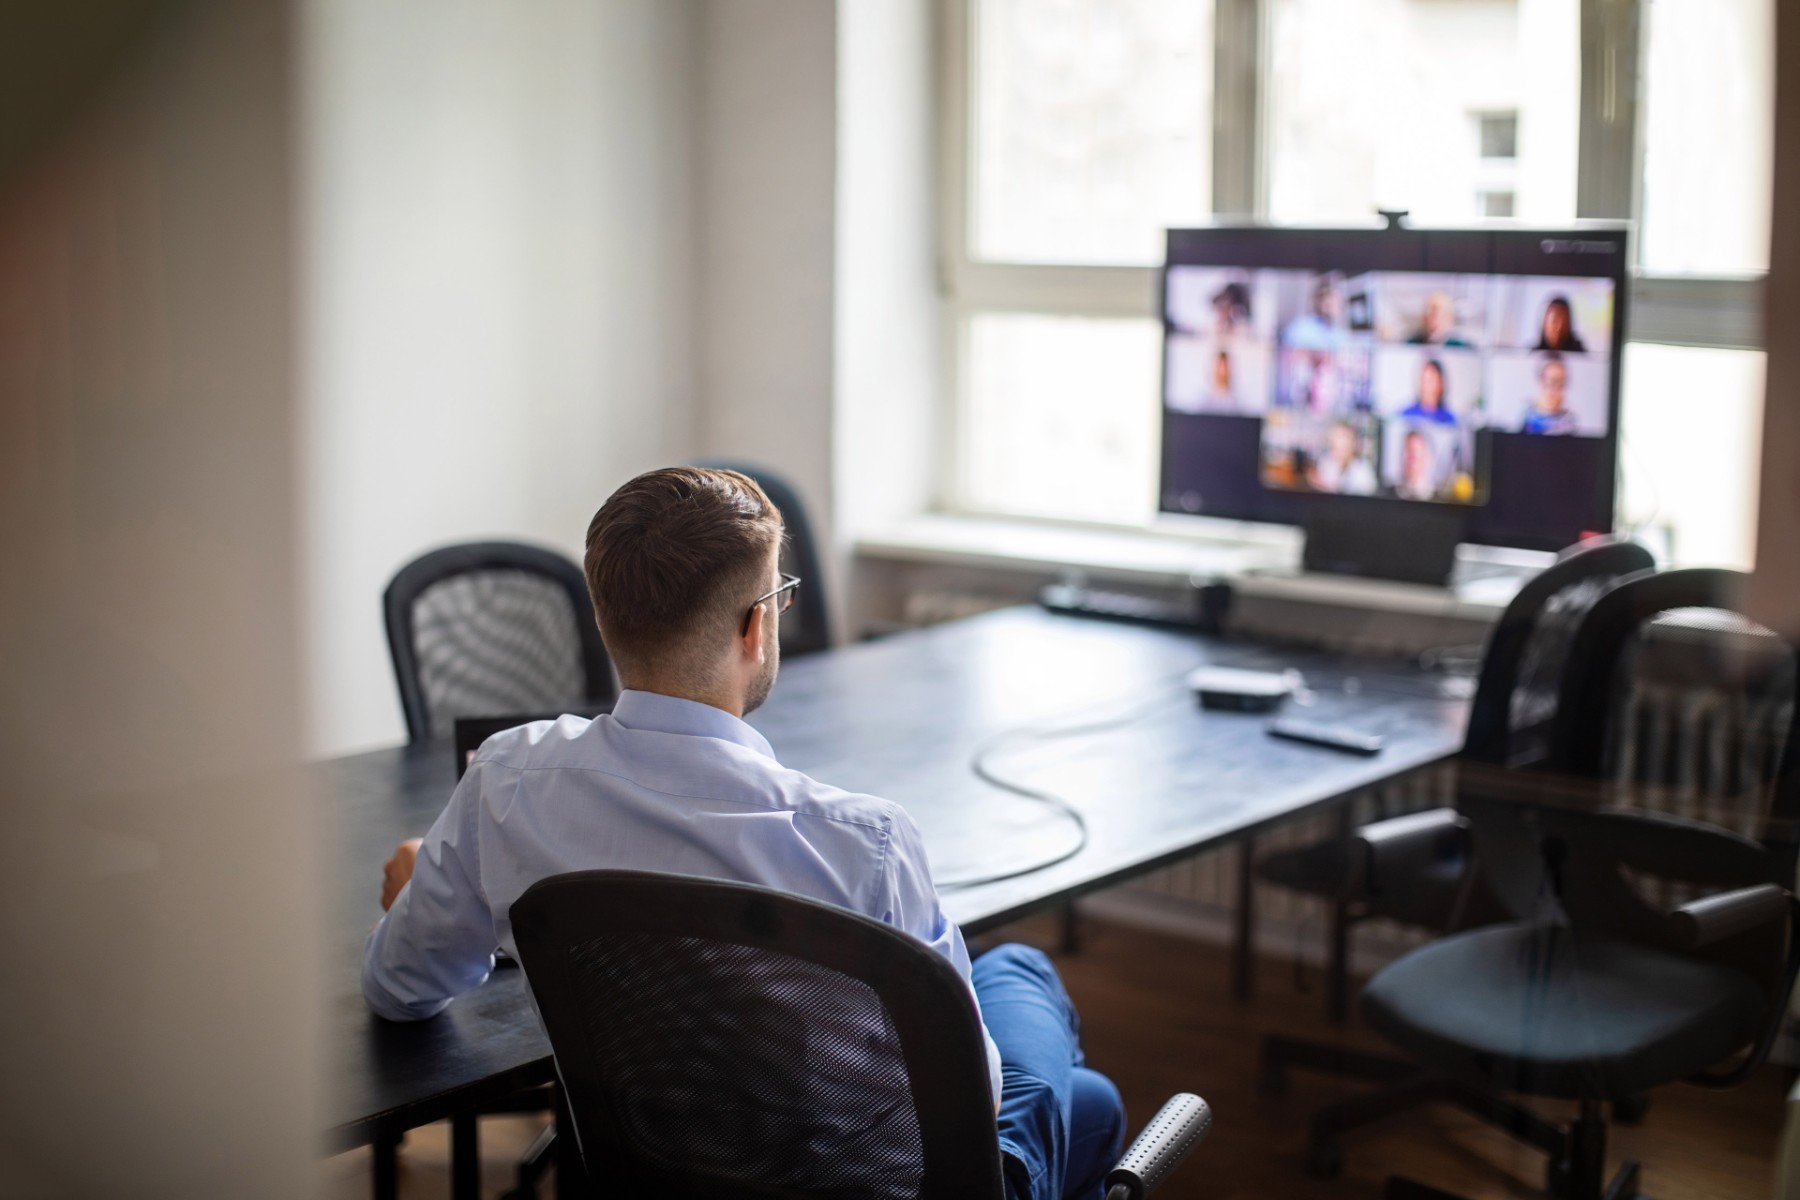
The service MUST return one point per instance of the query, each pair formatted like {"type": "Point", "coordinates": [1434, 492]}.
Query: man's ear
{"type": "Point", "coordinates": [751, 641]}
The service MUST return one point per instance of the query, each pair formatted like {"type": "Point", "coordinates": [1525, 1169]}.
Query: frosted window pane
{"type": "Point", "coordinates": [1092, 127]}
{"type": "Point", "coordinates": [1061, 419]}
{"type": "Point", "coordinates": [1708, 129]}
{"type": "Point", "coordinates": [1391, 104]}
{"type": "Point", "coordinates": [1692, 422]}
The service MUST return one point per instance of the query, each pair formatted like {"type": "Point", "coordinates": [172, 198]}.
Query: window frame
{"type": "Point", "coordinates": [1724, 311]}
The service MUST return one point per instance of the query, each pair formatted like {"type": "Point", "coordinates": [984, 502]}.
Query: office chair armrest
{"type": "Point", "coordinates": [1777, 1019]}
{"type": "Point", "coordinates": [1403, 847]}
{"type": "Point", "coordinates": [1713, 918]}
{"type": "Point", "coordinates": [1164, 1142]}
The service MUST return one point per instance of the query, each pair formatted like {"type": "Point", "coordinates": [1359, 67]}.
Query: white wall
{"type": "Point", "coordinates": [499, 213]}
{"type": "Point", "coordinates": [765, 270]}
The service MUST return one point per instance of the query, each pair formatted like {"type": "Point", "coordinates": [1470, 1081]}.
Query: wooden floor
{"type": "Point", "coordinates": [1156, 1017]}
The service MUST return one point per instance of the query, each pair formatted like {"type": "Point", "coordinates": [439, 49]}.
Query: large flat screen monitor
{"type": "Point", "coordinates": [1476, 371]}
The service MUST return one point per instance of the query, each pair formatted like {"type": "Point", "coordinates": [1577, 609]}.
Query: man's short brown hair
{"type": "Point", "coordinates": [675, 553]}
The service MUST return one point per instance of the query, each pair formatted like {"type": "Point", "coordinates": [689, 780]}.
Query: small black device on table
{"type": "Point", "coordinates": [1321, 733]}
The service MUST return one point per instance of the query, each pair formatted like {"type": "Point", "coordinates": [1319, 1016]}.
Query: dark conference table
{"type": "Point", "coordinates": [1157, 778]}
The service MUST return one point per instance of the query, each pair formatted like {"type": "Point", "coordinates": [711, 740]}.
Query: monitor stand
{"type": "Point", "coordinates": [1382, 539]}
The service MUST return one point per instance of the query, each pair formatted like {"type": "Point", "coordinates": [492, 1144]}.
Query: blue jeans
{"type": "Point", "coordinates": [1062, 1126]}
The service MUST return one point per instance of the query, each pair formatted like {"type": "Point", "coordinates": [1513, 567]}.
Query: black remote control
{"type": "Point", "coordinates": [1336, 737]}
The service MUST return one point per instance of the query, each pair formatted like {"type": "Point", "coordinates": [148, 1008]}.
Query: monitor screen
{"type": "Point", "coordinates": [1471, 369]}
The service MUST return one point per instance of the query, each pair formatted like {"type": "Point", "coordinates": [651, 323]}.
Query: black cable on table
{"type": "Point", "coordinates": [978, 763]}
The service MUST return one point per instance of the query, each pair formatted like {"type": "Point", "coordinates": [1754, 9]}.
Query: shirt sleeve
{"type": "Point", "coordinates": [912, 906]}
{"type": "Point", "coordinates": [437, 941]}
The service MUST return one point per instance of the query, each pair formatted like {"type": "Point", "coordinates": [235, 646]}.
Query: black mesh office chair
{"type": "Point", "coordinates": [489, 629]}
{"type": "Point", "coordinates": [1515, 698]}
{"type": "Point", "coordinates": [807, 628]}
{"type": "Point", "coordinates": [1606, 985]}
{"type": "Point", "coordinates": [720, 1040]}
{"type": "Point", "coordinates": [493, 629]}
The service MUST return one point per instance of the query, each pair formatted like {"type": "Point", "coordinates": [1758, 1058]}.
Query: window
{"type": "Point", "coordinates": [1692, 421]}
{"type": "Point", "coordinates": [1092, 127]}
{"type": "Point", "coordinates": [1497, 168]}
{"type": "Point", "coordinates": [1499, 134]}
{"type": "Point", "coordinates": [1069, 429]}
{"type": "Point", "coordinates": [1077, 130]}
{"type": "Point", "coordinates": [1397, 104]}
{"type": "Point", "coordinates": [1708, 136]}
{"type": "Point", "coordinates": [1496, 204]}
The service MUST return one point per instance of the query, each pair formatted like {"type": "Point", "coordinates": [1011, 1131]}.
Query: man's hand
{"type": "Point", "coordinates": [398, 870]}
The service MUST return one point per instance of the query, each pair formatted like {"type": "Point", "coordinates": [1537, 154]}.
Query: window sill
{"type": "Point", "coordinates": [1261, 563]}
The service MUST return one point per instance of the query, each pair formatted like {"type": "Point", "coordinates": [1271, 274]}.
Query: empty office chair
{"type": "Point", "coordinates": [490, 629]}
{"type": "Point", "coordinates": [1515, 698]}
{"type": "Point", "coordinates": [720, 1040]}
{"type": "Point", "coordinates": [1608, 983]}
{"type": "Point", "coordinates": [807, 628]}
{"type": "Point", "coordinates": [493, 629]}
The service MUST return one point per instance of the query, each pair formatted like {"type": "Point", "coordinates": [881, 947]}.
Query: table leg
{"type": "Point", "coordinates": [465, 1157]}
{"type": "Point", "coordinates": [384, 1169]}
{"type": "Point", "coordinates": [571, 1175]}
{"type": "Point", "coordinates": [1337, 978]}
{"type": "Point", "coordinates": [1243, 951]}
{"type": "Point", "coordinates": [1070, 940]}
{"type": "Point", "coordinates": [1337, 971]}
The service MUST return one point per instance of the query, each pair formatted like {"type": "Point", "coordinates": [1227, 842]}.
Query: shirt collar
{"type": "Point", "coordinates": [657, 713]}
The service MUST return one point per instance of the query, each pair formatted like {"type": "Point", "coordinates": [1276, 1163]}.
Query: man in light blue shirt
{"type": "Point", "coordinates": [681, 565]}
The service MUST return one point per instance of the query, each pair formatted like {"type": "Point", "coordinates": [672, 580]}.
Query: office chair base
{"type": "Point", "coordinates": [1400, 1188]}
{"type": "Point", "coordinates": [1624, 1186]}
{"type": "Point", "coordinates": [1402, 1085]}
{"type": "Point", "coordinates": [537, 1160]}
{"type": "Point", "coordinates": [1576, 1157]}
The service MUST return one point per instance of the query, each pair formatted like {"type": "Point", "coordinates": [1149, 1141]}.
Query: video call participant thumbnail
{"type": "Point", "coordinates": [1343, 465]}
{"type": "Point", "coordinates": [1307, 453]}
{"type": "Point", "coordinates": [1231, 309]}
{"type": "Point", "coordinates": [1549, 412]}
{"type": "Point", "coordinates": [1437, 324]}
{"type": "Point", "coordinates": [1567, 314]}
{"type": "Point", "coordinates": [1321, 326]}
{"type": "Point", "coordinates": [1548, 393]}
{"type": "Point", "coordinates": [1429, 461]}
{"type": "Point", "coordinates": [1431, 401]}
{"type": "Point", "coordinates": [1324, 382]}
{"type": "Point", "coordinates": [1205, 375]}
{"type": "Point", "coordinates": [1557, 330]}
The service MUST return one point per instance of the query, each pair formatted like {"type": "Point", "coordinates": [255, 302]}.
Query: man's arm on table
{"type": "Point", "coordinates": [437, 939]}
{"type": "Point", "coordinates": [914, 907]}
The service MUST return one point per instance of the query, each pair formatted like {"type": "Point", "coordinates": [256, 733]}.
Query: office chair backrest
{"type": "Point", "coordinates": [721, 1040]}
{"type": "Point", "coordinates": [1607, 863]}
{"type": "Point", "coordinates": [489, 629]}
{"type": "Point", "coordinates": [808, 627]}
{"type": "Point", "coordinates": [1516, 696]}
{"type": "Point", "coordinates": [1728, 650]}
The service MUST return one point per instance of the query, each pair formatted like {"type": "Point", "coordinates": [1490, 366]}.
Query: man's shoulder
{"type": "Point", "coordinates": [535, 743]}
{"type": "Point", "coordinates": [812, 797]}
{"type": "Point", "coordinates": [716, 769]}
